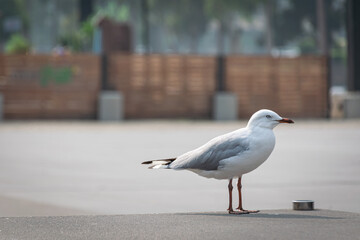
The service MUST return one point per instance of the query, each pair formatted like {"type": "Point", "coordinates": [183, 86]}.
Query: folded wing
{"type": "Point", "coordinates": [209, 156]}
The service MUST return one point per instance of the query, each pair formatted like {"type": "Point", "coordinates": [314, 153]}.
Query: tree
{"type": "Point", "coordinates": [16, 8]}
{"type": "Point", "coordinates": [224, 11]}
{"type": "Point", "coordinates": [297, 21]}
{"type": "Point", "coordinates": [179, 19]}
{"type": "Point", "coordinates": [186, 20]}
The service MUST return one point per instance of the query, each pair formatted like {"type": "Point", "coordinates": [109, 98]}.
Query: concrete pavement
{"type": "Point", "coordinates": [77, 168]}
{"type": "Point", "coordinates": [275, 224]}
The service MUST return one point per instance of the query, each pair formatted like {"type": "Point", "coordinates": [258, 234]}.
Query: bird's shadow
{"type": "Point", "coordinates": [264, 215]}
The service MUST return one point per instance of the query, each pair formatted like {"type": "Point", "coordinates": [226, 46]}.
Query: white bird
{"type": "Point", "coordinates": [231, 155]}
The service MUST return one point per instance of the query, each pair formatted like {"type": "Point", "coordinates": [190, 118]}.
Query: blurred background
{"type": "Point", "coordinates": [91, 61]}
{"type": "Point", "coordinates": [177, 59]}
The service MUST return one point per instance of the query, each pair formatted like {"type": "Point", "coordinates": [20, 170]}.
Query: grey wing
{"type": "Point", "coordinates": [208, 156]}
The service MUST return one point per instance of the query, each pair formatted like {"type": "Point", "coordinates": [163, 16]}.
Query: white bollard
{"type": "Point", "coordinates": [1, 107]}
{"type": "Point", "coordinates": [225, 106]}
{"type": "Point", "coordinates": [110, 106]}
{"type": "Point", "coordinates": [352, 105]}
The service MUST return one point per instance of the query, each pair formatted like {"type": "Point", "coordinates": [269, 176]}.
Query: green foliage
{"type": "Point", "coordinates": [219, 9]}
{"type": "Point", "coordinates": [307, 45]}
{"type": "Point", "coordinates": [17, 44]}
{"type": "Point", "coordinates": [59, 76]}
{"type": "Point", "coordinates": [72, 41]}
{"type": "Point", "coordinates": [80, 40]}
{"type": "Point", "coordinates": [338, 51]}
{"type": "Point", "coordinates": [112, 11]}
{"type": "Point", "coordinates": [87, 28]}
{"type": "Point", "coordinates": [338, 54]}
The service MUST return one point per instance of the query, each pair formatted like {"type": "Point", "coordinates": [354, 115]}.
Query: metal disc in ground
{"type": "Point", "coordinates": [303, 205]}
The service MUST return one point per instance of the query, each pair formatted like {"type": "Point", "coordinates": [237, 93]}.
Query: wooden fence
{"type": "Point", "coordinates": [294, 87]}
{"type": "Point", "coordinates": [161, 86]}
{"type": "Point", "coordinates": [164, 86]}
{"type": "Point", "coordinates": [45, 86]}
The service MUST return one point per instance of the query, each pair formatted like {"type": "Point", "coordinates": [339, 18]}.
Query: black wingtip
{"type": "Point", "coordinates": [169, 160]}
{"type": "Point", "coordinates": [147, 162]}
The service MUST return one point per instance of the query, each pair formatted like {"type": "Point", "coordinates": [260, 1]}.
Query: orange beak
{"type": "Point", "coordinates": [286, 120]}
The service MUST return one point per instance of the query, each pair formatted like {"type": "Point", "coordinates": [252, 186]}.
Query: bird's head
{"type": "Point", "coordinates": [267, 119]}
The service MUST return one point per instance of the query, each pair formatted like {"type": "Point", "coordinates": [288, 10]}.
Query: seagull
{"type": "Point", "coordinates": [231, 155]}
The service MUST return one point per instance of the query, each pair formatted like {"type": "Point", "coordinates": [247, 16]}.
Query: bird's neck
{"type": "Point", "coordinates": [255, 128]}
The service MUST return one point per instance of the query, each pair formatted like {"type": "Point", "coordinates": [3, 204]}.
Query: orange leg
{"type": "Point", "coordinates": [230, 209]}
{"type": "Point", "coordinates": [230, 187]}
{"type": "Point", "coordinates": [240, 208]}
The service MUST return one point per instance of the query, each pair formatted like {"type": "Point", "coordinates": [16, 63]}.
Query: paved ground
{"type": "Point", "coordinates": [77, 168]}
{"type": "Point", "coordinates": [275, 224]}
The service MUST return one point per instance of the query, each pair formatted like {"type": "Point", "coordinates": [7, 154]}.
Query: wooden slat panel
{"type": "Point", "coordinates": [45, 86]}
{"type": "Point", "coordinates": [292, 86]}
{"type": "Point", "coordinates": [165, 86]}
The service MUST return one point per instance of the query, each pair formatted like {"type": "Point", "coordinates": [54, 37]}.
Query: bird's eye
{"type": "Point", "coordinates": [268, 116]}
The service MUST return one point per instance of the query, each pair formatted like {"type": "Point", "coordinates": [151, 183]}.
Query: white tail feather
{"type": "Point", "coordinates": [159, 164]}
{"type": "Point", "coordinates": [163, 163]}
